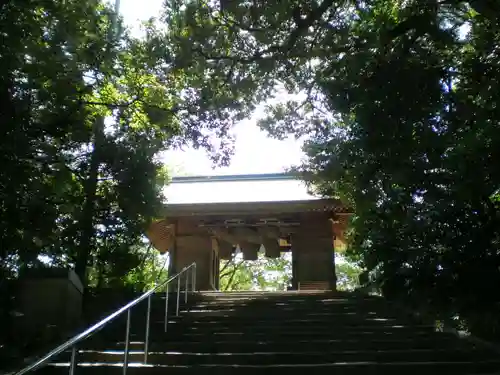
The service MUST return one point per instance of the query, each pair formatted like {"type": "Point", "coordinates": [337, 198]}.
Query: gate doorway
{"type": "Point", "coordinates": [262, 274]}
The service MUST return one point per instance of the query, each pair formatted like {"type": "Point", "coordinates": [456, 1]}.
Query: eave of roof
{"type": "Point", "coordinates": [235, 178]}
{"type": "Point", "coordinates": [249, 208]}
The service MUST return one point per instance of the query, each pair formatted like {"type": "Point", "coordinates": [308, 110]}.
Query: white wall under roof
{"type": "Point", "coordinates": [237, 191]}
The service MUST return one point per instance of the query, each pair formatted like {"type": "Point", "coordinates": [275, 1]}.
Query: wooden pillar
{"type": "Point", "coordinates": [295, 274]}
{"type": "Point", "coordinates": [313, 252]}
{"type": "Point", "coordinates": [172, 250]}
{"type": "Point", "coordinates": [197, 249]}
{"type": "Point", "coordinates": [214, 269]}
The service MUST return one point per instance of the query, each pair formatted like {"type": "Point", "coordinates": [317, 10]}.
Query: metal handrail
{"type": "Point", "coordinates": [72, 342]}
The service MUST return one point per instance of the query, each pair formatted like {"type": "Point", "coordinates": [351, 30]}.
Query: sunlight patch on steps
{"type": "Point", "coordinates": [284, 333]}
{"type": "Point", "coordinates": [103, 364]}
{"type": "Point", "coordinates": [310, 328]}
{"type": "Point", "coordinates": [131, 343]}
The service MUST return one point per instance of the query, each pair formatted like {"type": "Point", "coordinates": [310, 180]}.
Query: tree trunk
{"type": "Point", "coordinates": [88, 211]}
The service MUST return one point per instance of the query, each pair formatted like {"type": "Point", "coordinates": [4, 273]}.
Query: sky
{"type": "Point", "coordinates": [254, 151]}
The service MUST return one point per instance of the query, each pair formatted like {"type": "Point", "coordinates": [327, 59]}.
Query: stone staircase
{"type": "Point", "coordinates": [262, 333]}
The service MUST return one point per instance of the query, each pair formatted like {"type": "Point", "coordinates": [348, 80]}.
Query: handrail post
{"type": "Point", "coordinates": [127, 342]}
{"type": "Point", "coordinates": [72, 363]}
{"type": "Point", "coordinates": [186, 291]}
{"type": "Point", "coordinates": [146, 339]}
{"type": "Point", "coordinates": [192, 278]}
{"type": "Point", "coordinates": [178, 294]}
{"type": "Point", "coordinates": [166, 307]}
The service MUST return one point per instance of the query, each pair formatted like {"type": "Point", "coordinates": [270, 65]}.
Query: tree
{"type": "Point", "coordinates": [272, 274]}
{"type": "Point", "coordinates": [78, 191]}
{"type": "Point", "coordinates": [86, 111]}
{"type": "Point", "coordinates": [398, 102]}
{"type": "Point", "coordinates": [275, 274]}
{"type": "Point", "coordinates": [347, 273]}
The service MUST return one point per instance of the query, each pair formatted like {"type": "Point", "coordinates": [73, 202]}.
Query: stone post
{"type": "Point", "coordinates": [51, 303]}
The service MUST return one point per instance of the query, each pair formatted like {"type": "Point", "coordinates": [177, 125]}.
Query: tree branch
{"type": "Point", "coordinates": [111, 105]}
{"type": "Point", "coordinates": [304, 24]}
{"type": "Point", "coordinates": [226, 265]}
{"type": "Point", "coordinates": [174, 109]}
{"type": "Point", "coordinates": [230, 280]}
{"type": "Point", "coordinates": [233, 273]}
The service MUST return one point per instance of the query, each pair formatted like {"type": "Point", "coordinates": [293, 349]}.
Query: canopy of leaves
{"type": "Point", "coordinates": [398, 101]}
{"type": "Point", "coordinates": [87, 111]}
{"type": "Point", "coordinates": [275, 274]}
{"type": "Point", "coordinates": [347, 273]}
{"type": "Point", "coordinates": [263, 274]}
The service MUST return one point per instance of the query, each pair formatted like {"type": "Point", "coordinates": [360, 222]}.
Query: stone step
{"type": "Point", "coordinates": [288, 297]}
{"type": "Point", "coordinates": [226, 318]}
{"type": "Point", "coordinates": [158, 303]}
{"type": "Point", "coordinates": [257, 332]}
{"type": "Point", "coordinates": [290, 301]}
{"type": "Point", "coordinates": [249, 333]}
{"type": "Point", "coordinates": [287, 294]}
{"type": "Point", "coordinates": [194, 311]}
{"type": "Point", "coordinates": [177, 328]}
{"type": "Point", "coordinates": [281, 344]}
{"type": "Point", "coordinates": [285, 298]}
{"type": "Point", "coordinates": [297, 305]}
{"type": "Point", "coordinates": [272, 327]}
{"type": "Point", "coordinates": [245, 327]}
{"type": "Point", "coordinates": [269, 358]}
{"type": "Point", "coordinates": [296, 302]}
{"type": "Point", "coordinates": [341, 368]}
{"type": "Point", "coordinates": [258, 314]}
{"type": "Point", "coordinates": [276, 308]}
{"type": "Point", "coordinates": [137, 312]}
{"type": "Point", "coordinates": [290, 335]}
{"type": "Point", "coordinates": [268, 321]}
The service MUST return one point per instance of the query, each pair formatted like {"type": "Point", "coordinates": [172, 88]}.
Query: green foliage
{"type": "Point", "coordinates": [153, 269]}
{"type": "Point", "coordinates": [347, 274]}
{"type": "Point", "coordinates": [139, 276]}
{"type": "Point", "coordinates": [271, 274]}
{"type": "Point", "coordinates": [275, 274]}
{"type": "Point", "coordinates": [398, 102]}
{"type": "Point", "coordinates": [70, 186]}
{"type": "Point", "coordinates": [397, 99]}
{"type": "Point", "coordinates": [86, 112]}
